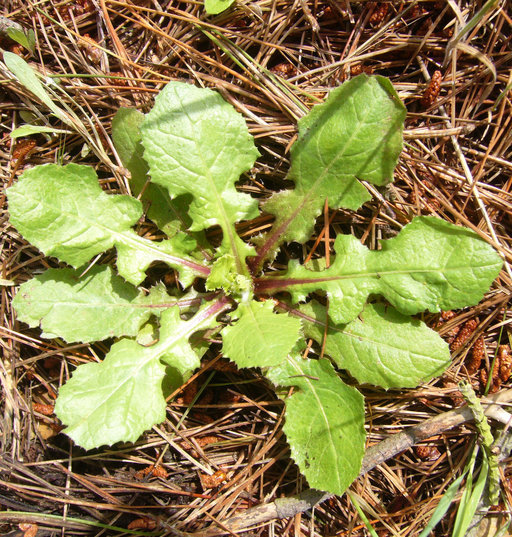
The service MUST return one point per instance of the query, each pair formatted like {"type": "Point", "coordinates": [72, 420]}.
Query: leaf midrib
{"type": "Point", "coordinates": [307, 195]}
{"type": "Point", "coordinates": [332, 445]}
{"type": "Point", "coordinates": [158, 350]}
{"type": "Point", "coordinates": [281, 281]}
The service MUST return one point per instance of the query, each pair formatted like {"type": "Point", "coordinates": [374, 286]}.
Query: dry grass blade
{"type": "Point", "coordinates": [215, 459]}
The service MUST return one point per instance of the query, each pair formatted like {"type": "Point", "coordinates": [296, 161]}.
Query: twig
{"type": "Point", "coordinates": [375, 455]}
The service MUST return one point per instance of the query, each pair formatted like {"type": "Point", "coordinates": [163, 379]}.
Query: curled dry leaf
{"type": "Point", "coordinates": [432, 91]}
{"type": "Point", "coordinates": [51, 363]}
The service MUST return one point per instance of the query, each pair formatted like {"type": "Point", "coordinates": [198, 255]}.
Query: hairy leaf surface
{"type": "Point", "coordinates": [63, 211]}
{"type": "Point", "coordinates": [356, 134]}
{"type": "Point", "coordinates": [430, 265]}
{"type": "Point", "coordinates": [196, 143]}
{"type": "Point", "coordinates": [93, 307]}
{"type": "Point", "coordinates": [324, 423]}
{"type": "Point", "coordinates": [121, 397]}
{"type": "Point", "coordinates": [260, 337]}
{"type": "Point", "coordinates": [380, 347]}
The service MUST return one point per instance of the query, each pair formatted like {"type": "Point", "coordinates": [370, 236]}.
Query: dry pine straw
{"type": "Point", "coordinates": [212, 461]}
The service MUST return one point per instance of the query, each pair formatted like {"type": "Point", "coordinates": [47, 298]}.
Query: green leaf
{"type": "Point", "coordinates": [28, 130]}
{"type": "Point", "coordinates": [324, 423]}
{"type": "Point", "coordinates": [260, 338]}
{"type": "Point", "coordinates": [26, 39]}
{"type": "Point", "coordinates": [430, 265]}
{"type": "Point", "coordinates": [121, 397]}
{"type": "Point", "coordinates": [96, 306]}
{"type": "Point", "coordinates": [117, 399]}
{"type": "Point", "coordinates": [63, 211]}
{"type": "Point", "coordinates": [27, 77]}
{"type": "Point", "coordinates": [381, 347]}
{"type": "Point", "coordinates": [356, 134]}
{"type": "Point", "coordinates": [196, 143]}
{"type": "Point", "coordinates": [169, 215]}
{"type": "Point", "coordinates": [214, 7]}
{"type": "Point", "coordinates": [442, 507]}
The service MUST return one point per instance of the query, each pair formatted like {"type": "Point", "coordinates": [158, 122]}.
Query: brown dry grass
{"type": "Point", "coordinates": [456, 164]}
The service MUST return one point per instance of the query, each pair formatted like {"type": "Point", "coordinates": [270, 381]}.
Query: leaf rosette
{"type": "Point", "coordinates": [185, 157]}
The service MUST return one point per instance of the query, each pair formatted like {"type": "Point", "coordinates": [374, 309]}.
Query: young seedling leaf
{"type": "Point", "coordinates": [28, 78]}
{"type": "Point", "coordinates": [355, 134]}
{"type": "Point", "coordinates": [121, 397]}
{"type": "Point", "coordinates": [430, 265]}
{"type": "Point", "coordinates": [260, 337]}
{"type": "Point", "coordinates": [26, 38]}
{"type": "Point", "coordinates": [324, 423]}
{"type": "Point", "coordinates": [63, 211]}
{"type": "Point", "coordinates": [380, 347]}
{"type": "Point", "coordinates": [96, 306]}
{"type": "Point", "coordinates": [169, 215]}
{"type": "Point", "coordinates": [28, 130]}
{"type": "Point", "coordinates": [196, 143]}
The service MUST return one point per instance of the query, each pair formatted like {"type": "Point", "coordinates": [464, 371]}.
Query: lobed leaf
{"type": "Point", "coordinates": [117, 399]}
{"type": "Point", "coordinates": [430, 265]}
{"type": "Point", "coordinates": [121, 397]}
{"type": "Point", "coordinates": [324, 423]}
{"type": "Point", "coordinates": [169, 215]}
{"type": "Point", "coordinates": [260, 337]}
{"type": "Point", "coordinates": [380, 347]}
{"type": "Point", "coordinates": [355, 134]}
{"type": "Point", "coordinates": [64, 212]}
{"type": "Point", "coordinates": [96, 306]}
{"type": "Point", "coordinates": [196, 143]}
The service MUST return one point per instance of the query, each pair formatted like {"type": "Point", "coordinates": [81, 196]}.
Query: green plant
{"type": "Point", "coordinates": [195, 146]}
{"type": "Point", "coordinates": [214, 7]}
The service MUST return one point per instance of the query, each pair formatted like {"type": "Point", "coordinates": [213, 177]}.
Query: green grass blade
{"type": "Point", "coordinates": [361, 514]}
{"type": "Point", "coordinates": [469, 501]}
{"type": "Point", "coordinates": [442, 506]}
